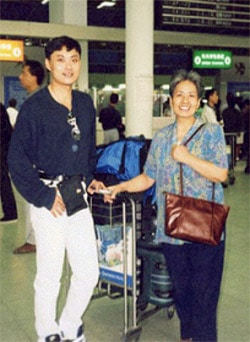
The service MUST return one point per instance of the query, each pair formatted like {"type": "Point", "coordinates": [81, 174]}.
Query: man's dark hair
{"type": "Point", "coordinates": [56, 44]}
{"type": "Point", "coordinates": [36, 69]}
{"type": "Point", "coordinates": [114, 98]}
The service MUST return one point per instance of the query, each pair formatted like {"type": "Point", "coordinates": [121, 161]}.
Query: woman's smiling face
{"type": "Point", "coordinates": [185, 100]}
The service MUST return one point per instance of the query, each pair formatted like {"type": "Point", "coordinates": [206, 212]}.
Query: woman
{"type": "Point", "coordinates": [210, 112]}
{"type": "Point", "coordinates": [195, 269]}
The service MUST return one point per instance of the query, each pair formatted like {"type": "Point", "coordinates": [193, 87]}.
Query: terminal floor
{"type": "Point", "coordinates": [104, 317]}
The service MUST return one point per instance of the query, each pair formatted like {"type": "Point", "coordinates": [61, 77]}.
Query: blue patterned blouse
{"type": "Point", "coordinates": [207, 144]}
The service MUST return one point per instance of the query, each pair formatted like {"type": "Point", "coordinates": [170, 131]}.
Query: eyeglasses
{"type": "Point", "coordinates": [75, 132]}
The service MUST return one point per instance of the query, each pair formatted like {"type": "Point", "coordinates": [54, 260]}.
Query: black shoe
{"type": "Point", "coordinates": [224, 184]}
{"type": "Point", "coordinates": [53, 338]}
{"type": "Point", "coordinates": [7, 219]}
{"type": "Point", "coordinates": [79, 336]}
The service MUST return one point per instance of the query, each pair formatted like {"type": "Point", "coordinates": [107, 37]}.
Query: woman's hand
{"type": "Point", "coordinates": [206, 168]}
{"type": "Point", "coordinates": [136, 184]}
{"type": "Point", "coordinates": [180, 153]}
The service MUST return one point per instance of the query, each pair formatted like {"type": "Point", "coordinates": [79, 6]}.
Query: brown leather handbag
{"type": "Point", "coordinates": [194, 219]}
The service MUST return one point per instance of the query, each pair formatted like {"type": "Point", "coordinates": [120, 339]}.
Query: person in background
{"type": "Point", "coordinates": [195, 268]}
{"type": "Point", "coordinates": [238, 101]}
{"type": "Point", "coordinates": [111, 120]}
{"type": "Point", "coordinates": [8, 201]}
{"type": "Point", "coordinates": [246, 127]}
{"type": "Point", "coordinates": [232, 124]}
{"type": "Point", "coordinates": [209, 112]}
{"type": "Point", "coordinates": [54, 140]}
{"type": "Point", "coordinates": [218, 112]}
{"type": "Point", "coordinates": [231, 116]}
{"type": "Point", "coordinates": [31, 78]}
{"type": "Point", "coordinates": [12, 111]}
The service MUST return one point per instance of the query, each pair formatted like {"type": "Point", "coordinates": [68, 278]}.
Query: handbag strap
{"type": "Point", "coordinates": [191, 137]}
{"type": "Point", "coordinates": [181, 172]}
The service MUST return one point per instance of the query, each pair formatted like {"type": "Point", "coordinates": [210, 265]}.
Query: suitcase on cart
{"type": "Point", "coordinates": [156, 287]}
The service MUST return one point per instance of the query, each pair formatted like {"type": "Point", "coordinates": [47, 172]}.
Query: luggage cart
{"type": "Point", "coordinates": [127, 274]}
{"type": "Point", "coordinates": [117, 226]}
{"type": "Point", "coordinates": [231, 153]}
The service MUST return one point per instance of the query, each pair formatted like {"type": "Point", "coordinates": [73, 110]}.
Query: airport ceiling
{"type": "Point", "coordinates": [107, 56]}
{"type": "Point", "coordinates": [38, 11]}
{"type": "Point", "coordinates": [218, 17]}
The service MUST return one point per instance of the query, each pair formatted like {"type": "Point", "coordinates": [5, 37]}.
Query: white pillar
{"type": "Point", "coordinates": [139, 67]}
{"type": "Point", "coordinates": [73, 12]}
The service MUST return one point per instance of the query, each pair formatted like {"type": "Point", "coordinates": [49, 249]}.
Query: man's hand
{"type": "Point", "coordinates": [95, 186]}
{"type": "Point", "coordinates": [58, 207]}
{"type": "Point", "coordinates": [113, 191]}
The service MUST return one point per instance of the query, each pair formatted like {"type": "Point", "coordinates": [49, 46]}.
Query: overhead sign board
{"type": "Point", "coordinates": [212, 59]}
{"type": "Point", "coordinates": [11, 50]}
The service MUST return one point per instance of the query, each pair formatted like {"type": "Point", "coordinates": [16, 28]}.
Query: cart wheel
{"type": "Point", "coordinates": [133, 336]}
{"type": "Point", "coordinates": [142, 306]}
{"type": "Point", "coordinates": [224, 184]}
{"type": "Point", "coordinates": [170, 312]}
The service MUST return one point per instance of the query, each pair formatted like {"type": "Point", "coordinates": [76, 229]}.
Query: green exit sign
{"type": "Point", "coordinates": [212, 59]}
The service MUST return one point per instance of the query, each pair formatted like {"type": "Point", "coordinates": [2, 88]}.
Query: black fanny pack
{"type": "Point", "coordinates": [72, 192]}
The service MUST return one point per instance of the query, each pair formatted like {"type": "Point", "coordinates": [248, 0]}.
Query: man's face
{"type": "Point", "coordinates": [26, 79]}
{"type": "Point", "coordinates": [64, 66]}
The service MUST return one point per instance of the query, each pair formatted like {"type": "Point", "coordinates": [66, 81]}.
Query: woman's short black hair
{"type": "Point", "coordinates": [183, 75]}
{"type": "Point", "coordinates": [56, 44]}
{"type": "Point", "coordinates": [209, 92]}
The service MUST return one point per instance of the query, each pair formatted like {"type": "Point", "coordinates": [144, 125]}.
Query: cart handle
{"type": "Point", "coordinates": [122, 195]}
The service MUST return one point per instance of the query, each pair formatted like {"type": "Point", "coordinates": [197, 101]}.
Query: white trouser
{"type": "Point", "coordinates": [30, 234]}
{"type": "Point", "coordinates": [76, 235]}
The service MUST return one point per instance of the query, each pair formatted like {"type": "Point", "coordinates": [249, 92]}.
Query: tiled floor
{"type": "Point", "coordinates": [104, 317]}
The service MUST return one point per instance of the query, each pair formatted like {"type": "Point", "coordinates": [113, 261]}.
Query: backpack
{"type": "Point", "coordinates": [123, 159]}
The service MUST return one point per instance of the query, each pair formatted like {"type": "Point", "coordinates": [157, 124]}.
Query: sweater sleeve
{"type": "Point", "coordinates": [92, 154]}
{"type": "Point", "coordinates": [22, 163]}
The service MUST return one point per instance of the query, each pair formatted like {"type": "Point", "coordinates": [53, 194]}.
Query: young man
{"type": "Point", "coordinates": [54, 142]}
{"type": "Point", "coordinates": [31, 78]}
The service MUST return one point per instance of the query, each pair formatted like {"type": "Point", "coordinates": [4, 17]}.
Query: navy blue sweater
{"type": "Point", "coordinates": [42, 141]}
